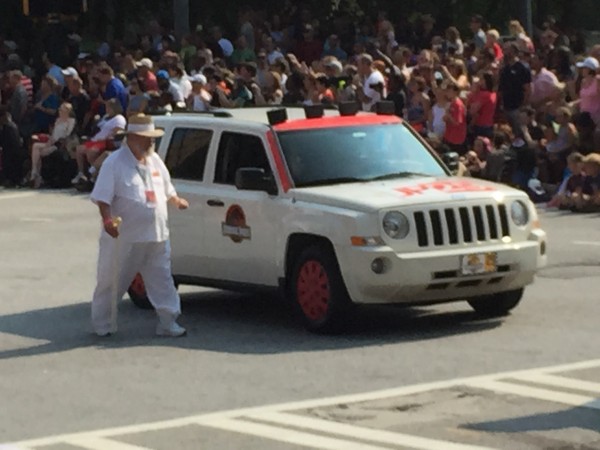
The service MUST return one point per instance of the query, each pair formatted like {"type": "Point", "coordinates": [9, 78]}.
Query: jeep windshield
{"type": "Point", "coordinates": [324, 156]}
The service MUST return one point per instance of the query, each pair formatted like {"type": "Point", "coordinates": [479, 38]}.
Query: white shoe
{"type": "Point", "coordinates": [78, 178]}
{"type": "Point", "coordinates": [172, 330]}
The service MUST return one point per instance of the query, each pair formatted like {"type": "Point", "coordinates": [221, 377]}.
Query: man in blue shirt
{"type": "Point", "coordinates": [53, 70]}
{"type": "Point", "coordinates": [112, 86]}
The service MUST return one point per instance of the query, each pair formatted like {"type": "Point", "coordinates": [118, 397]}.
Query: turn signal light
{"type": "Point", "coordinates": [360, 241]}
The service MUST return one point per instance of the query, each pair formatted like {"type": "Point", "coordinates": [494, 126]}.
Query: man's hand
{"type": "Point", "coordinates": [179, 203]}
{"type": "Point", "coordinates": [111, 226]}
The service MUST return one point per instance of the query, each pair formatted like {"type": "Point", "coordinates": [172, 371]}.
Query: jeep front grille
{"type": "Point", "coordinates": [461, 225]}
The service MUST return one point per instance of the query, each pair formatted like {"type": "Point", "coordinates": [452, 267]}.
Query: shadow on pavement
{"type": "Point", "coordinates": [579, 417]}
{"type": "Point", "coordinates": [233, 323]}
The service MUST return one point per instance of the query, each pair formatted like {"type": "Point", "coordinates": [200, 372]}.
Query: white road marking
{"type": "Point", "coordinates": [306, 404]}
{"type": "Point", "coordinates": [365, 434]}
{"type": "Point", "coordinates": [540, 394]}
{"type": "Point", "coordinates": [562, 382]}
{"type": "Point", "coordinates": [587, 243]}
{"type": "Point", "coordinates": [96, 443]}
{"type": "Point", "coordinates": [17, 195]}
{"type": "Point", "coordinates": [289, 436]}
{"type": "Point", "coordinates": [36, 219]}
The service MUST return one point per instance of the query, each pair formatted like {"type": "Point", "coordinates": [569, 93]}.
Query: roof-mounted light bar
{"type": "Point", "coordinates": [314, 111]}
{"type": "Point", "coordinates": [385, 108]}
{"type": "Point", "coordinates": [349, 108]}
{"type": "Point", "coordinates": [276, 116]}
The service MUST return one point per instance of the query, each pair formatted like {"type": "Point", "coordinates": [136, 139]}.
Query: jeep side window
{"type": "Point", "coordinates": [237, 150]}
{"type": "Point", "coordinates": [186, 156]}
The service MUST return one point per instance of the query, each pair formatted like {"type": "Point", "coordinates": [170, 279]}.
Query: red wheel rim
{"type": "Point", "coordinates": [137, 286]}
{"type": "Point", "coordinates": [312, 290]}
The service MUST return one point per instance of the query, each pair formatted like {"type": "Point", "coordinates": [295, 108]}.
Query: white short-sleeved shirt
{"type": "Point", "coordinates": [107, 126]}
{"type": "Point", "coordinates": [375, 78]}
{"type": "Point", "coordinates": [122, 183]}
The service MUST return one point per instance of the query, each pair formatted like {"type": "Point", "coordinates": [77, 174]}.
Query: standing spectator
{"type": "Point", "coordinates": [63, 127]}
{"type": "Point", "coordinates": [589, 93]}
{"type": "Point", "coordinates": [456, 121]}
{"type": "Point", "coordinates": [482, 106]}
{"type": "Point", "coordinates": [112, 86]}
{"type": "Point", "coordinates": [332, 48]}
{"type": "Point", "coordinates": [372, 81]}
{"type": "Point", "coordinates": [242, 52]}
{"type": "Point", "coordinates": [18, 99]}
{"type": "Point", "coordinates": [419, 103]}
{"type": "Point", "coordinates": [170, 91]}
{"type": "Point", "coordinates": [46, 108]}
{"type": "Point", "coordinates": [53, 70]}
{"type": "Point", "coordinates": [188, 49]}
{"type": "Point", "coordinates": [515, 84]}
{"type": "Point", "coordinates": [146, 75]}
{"type": "Point", "coordinates": [224, 44]}
{"type": "Point", "coordinates": [246, 28]}
{"type": "Point", "coordinates": [308, 49]}
{"type": "Point", "coordinates": [479, 37]}
{"type": "Point", "coordinates": [69, 73]}
{"type": "Point", "coordinates": [11, 155]}
{"type": "Point", "coordinates": [397, 92]}
{"type": "Point", "coordinates": [273, 53]}
{"type": "Point", "coordinates": [81, 103]}
{"type": "Point", "coordinates": [492, 42]}
{"type": "Point", "coordinates": [545, 85]}
{"type": "Point", "coordinates": [454, 44]}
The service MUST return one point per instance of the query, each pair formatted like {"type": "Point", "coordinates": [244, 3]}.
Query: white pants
{"type": "Point", "coordinates": [152, 260]}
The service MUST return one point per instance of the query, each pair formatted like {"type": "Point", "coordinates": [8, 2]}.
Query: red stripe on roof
{"type": "Point", "coordinates": [336, 121]}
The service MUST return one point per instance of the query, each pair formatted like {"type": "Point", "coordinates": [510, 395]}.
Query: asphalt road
{"type": "Point", "coordinates": [56, 378]}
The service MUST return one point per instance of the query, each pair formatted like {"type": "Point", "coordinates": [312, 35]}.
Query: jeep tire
{"type": "Point", "coordinates": [497, 305]}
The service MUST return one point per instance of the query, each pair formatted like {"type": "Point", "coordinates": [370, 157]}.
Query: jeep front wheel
{"type": "Point", "coordinates": [318, 290]}
{"type": "Point", "coordinates": [497, 305]}
{"type": "Point", "coordinates": [137, 293]}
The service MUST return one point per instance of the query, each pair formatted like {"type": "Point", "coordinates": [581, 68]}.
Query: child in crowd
{"type": "Point", "coordinates": [590, 198]}
{"type": "Point", "coordinates": [569, 195]}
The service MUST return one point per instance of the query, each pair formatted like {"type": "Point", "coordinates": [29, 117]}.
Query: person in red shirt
{"type": "Point", "coordinates": [456, 121]}
{"type": "Point", "coordinates": [146, 75]}
{"type": "Point", "coordinates": [482, 106]}
{"type": "Point", "coordinates": [492, 41]}
{"type": "Point", "coordinates": [308, 49]}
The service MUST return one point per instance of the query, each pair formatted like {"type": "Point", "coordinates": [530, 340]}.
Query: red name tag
{"type": "Point", "coordinates": [150, 196]}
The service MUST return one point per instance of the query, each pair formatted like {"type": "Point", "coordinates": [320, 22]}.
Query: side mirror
{"type": "Point", "coordinates": [254, 179]}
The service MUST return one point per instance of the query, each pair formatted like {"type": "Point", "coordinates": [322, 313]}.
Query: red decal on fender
{"type": "Point", "coordinates": [445, 186]}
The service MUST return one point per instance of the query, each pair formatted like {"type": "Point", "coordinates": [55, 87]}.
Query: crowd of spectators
{"type": "Point", "coordinates": [513, 108]}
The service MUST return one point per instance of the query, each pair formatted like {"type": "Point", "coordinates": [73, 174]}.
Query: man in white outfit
{"type": "Point", "coordinates": [135, 185]}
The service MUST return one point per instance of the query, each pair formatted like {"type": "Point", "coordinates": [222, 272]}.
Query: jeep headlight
{"type": "Point", "coordinates": [519, 213]}
{"type": "Point", "coordinates": [396, 225]}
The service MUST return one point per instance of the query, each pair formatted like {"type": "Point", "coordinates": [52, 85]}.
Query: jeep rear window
{"type": "Point", "coordinates": [349, 154]}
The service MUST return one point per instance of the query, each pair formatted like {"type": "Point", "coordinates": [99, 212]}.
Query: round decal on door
{"type": "Point", "coordinates": [235, 226]}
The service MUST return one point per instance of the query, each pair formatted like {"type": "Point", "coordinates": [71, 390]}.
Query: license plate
{"type": "Point", "coordinates": [479, 263]}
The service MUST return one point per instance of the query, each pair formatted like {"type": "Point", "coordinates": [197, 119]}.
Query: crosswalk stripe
{"type": "Point", "coordinates": [561, 382]}
{"type": "Point", "coordinates": [366, 434]}
{"type": "Point", "coordinates": [97, 443]}
{"type": "Point", "coordinates": [537, 393]}
{"type": "Point", "coordinates": [287, 436]}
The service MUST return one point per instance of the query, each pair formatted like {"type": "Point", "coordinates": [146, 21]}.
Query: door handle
{"type": "Point", "coordinates": [215, 203]}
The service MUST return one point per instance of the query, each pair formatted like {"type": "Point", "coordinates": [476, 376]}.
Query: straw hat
{"type": "Point", "coordinates": [142, 125]}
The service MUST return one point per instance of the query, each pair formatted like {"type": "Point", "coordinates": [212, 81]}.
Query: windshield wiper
{"type": "Point", "coordinates": [329, 181]}
{"type": "Point", "coordinates": [391, 176]}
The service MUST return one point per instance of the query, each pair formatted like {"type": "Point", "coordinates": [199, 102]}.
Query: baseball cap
{"type": "Point", "coordinates": [535, 186]}
{"type": "Point", "coordinates": [163, 74]}
{"type": "Point", "coordinates": [70, 72]}
{"type": "Point", "coordinates": [589, 63]}
{"type": "Point", "coordinates": [198, 78]}
{"type": "Point", "coordinates": [144, 62]}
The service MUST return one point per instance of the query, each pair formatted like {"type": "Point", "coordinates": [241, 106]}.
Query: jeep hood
{"type": "Point", "coordinates": [376, 195]}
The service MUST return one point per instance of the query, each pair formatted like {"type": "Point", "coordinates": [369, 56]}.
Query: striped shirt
{"type": "Point", "coordinates": [28, 85]}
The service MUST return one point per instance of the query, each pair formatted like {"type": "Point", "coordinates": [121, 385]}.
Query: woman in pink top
{"type": "Point", "coordinates": [589, 94]}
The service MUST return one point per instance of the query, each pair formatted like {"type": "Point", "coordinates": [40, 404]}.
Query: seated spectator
{"type": "Point", "coordinates": [570, 196]}
{"type": "Point", "coordinates": [179, 77]}
{"type": "Point", "coordinates": [590, 198]}
{"type": "Point", "coordinates": [62, 129]}
{"type": "Point", "coordinates": [89, 151]}
{"type": "Point", "coordinates": [199, 100]}
{"type": "Point", "coordinates": [242, 52]}
{"type": "Point", "coordinates": [169, 91]}
{"type": "Point", "coordinates": [561, 145]}
{"type": "Point", "coordinates": [46, 108]}
{"type": "Point", "coordinates": [326, 95]}
{"type": "Point", "coordinates": [112, 87]}
{"type": "Point", "coordinates": [476, 159]}
{"type": "Point", "coordinates": [138, 99]}
{"type": "Point", "coordinates": [146, 75]}
{"type": "Point", "coordinates": [588, 134]}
